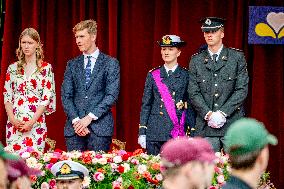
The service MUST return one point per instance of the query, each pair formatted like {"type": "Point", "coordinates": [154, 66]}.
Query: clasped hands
{"type": "Point", "coordinates": [23, 126]}
{"type": "Point", "coordinates": [216, 119]}
{"type": "Point", "coordinates": [81, 126]}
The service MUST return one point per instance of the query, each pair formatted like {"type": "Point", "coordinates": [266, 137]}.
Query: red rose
{"type": "Point", "coordinates": [120, 169]}
{"type": "Point", "coordinates": [16, 147]}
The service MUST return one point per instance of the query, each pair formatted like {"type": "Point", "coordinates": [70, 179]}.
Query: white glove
{"type": "Point", "coordinates": [142, 141]}
{"type": "Point", "coordinates": [217, 120]}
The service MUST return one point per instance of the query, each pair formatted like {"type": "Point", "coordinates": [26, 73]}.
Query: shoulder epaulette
{"type": "Point", "coordinates": [155, 68]}
{"type": "Point", "coordinates": [197, 53]}
{"type": "Point", "coordinates": [236, 49]}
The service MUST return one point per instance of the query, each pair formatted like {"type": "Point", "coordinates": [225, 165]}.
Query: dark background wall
{"type": "Point", "coordinates": [128, 30]}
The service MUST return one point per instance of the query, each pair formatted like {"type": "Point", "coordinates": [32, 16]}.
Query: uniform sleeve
{"type": "Point", "coordinates": [48, 98]}
{"type": "Point", "coordinates": [147, 101]}
{"type": "Point", "coordinates": [195, 96]}
{"type": "Point", "coordinates": [8, 86]}
{"type": "Point", "coordinates": [241, 88]}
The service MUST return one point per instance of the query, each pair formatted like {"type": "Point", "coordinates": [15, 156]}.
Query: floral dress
{"type": "Point", "coordinates": [26, 94]}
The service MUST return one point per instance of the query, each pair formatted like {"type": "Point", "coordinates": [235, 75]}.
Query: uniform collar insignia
{"type": "Point", "coordinates": [224, 58]}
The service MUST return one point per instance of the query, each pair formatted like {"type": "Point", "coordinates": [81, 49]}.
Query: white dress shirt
{"type": "Point", "coordinates": [218, 52]}
{"type": "Point", "coordinates": [168, 69]}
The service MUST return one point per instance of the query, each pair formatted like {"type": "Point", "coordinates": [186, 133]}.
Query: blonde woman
{"type": "Point", "coordinates": [29, 94]}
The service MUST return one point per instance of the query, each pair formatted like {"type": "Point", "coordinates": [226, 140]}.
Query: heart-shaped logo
{"type": "Point", "coordinates": [275, 20]}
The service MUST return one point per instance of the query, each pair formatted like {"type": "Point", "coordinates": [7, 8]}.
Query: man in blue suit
{"type": "Point", "coordinates": [90, 88]}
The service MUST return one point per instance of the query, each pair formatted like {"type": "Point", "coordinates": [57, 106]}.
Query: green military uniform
{"type": "Point", "coordinates": [221, 85]}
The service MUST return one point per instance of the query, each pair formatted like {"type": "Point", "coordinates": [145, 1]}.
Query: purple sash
{"type": "Point", "coordinates": [178, 129]}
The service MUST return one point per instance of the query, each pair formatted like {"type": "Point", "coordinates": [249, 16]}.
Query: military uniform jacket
{"type": "Point", "coordinates": [153, 113]}
{"type": "Point", "coordinates": [217, 86]}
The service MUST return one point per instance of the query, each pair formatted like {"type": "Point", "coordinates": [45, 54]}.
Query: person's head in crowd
{"type": "Point", "coordinates": [4, 157]}
{"type": "Point", "coordinates": [213, 31]}
{"type": "Point", "coordinates": [69, 174]}
{"type": "Point", "coordinates": [246, 142]}
{"type": "Point", "coordinates": [171, 48]}
{"type": "Point", "coordinates": [86, 33]}
{"type": "Point", "coordinates": [19, 174]}
{"type": "Point", "coordinates": [30, 47]}
{"type": "Point", "coordinates": [187, 163]}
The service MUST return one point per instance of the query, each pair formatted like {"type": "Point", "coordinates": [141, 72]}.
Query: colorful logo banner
{"type": "Point", "coordinates": [266, 25]}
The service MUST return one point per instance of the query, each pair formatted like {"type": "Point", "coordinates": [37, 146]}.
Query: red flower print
{"type": "Point", "coordinates": [9, 134]}
{"type": "Point", "coordinates": [16, 147]}
{"type": "Point", "coordinates": [39, 131]}
{"type": "Point", "coordinates": [48, 85]}
{"type": "Point", "coordinates": [44, 135]}
{"type": "Point", "coordinates": [9, 125]}
{"type": "Point", "coordinates": [39, 141]}
{"type": "Point", "coordinates": [26, 119]}
{"type": "Point", "coordinates": [32, 99]}
{"type": "Point", "coordinates": [44, 64]}
{"type": "Point", "coordinates": [33, 81]}
{"type": "Point", "coordinates": [44, 98]}
{"type": "Point", "coordinates": [14, 130]}
{"type": "Point", "coordinates": [32, 108]}
{"type": "Point", "coordinates": [20, 102]}
{"type": "Point", "coordinates": [13, 85]}
{"type": "Point", "coordinates": [43, 82]}
{"type": "Point", "coordinates": [22, 71]}
{"type": "Point", "coordinates": [21, 87]}
{"type": "Point", "coordinates": [8, 76]}
{"type": "Point", "coordinates": [28, 141]}
{"type": "Point", "coordinates": [5, 90]}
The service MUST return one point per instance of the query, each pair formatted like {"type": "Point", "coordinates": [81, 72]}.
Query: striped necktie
{"type": "Point", "coordinates": [88, 70]}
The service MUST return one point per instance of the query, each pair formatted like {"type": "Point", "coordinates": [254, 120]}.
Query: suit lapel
{"type": "Point", "coordinates": [96, 69]}
{"type": "Point", "coordinates": [223, 57]}
{"type": "Point", "coordinates": [80, 70]}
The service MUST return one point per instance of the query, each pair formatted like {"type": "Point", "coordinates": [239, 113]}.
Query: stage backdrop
{"type": "Point", "coordinates": [128, 30]}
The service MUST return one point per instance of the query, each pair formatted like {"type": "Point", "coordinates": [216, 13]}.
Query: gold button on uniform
{"type": "Point", "coordinates": [216, 95]}
{"type": "Point", "coordinates": [161, 113]}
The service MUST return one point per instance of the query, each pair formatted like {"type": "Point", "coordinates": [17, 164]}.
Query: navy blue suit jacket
{"type": "Point", "coordinates": [97, 97]}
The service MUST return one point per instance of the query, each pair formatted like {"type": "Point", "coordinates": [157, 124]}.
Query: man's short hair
{"type": "Point", "coordinates": [91, 25]}
{"type": "Point", "coordinates": [245, 161]}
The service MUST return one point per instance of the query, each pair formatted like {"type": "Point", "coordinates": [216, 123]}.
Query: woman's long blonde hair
{"type": "Point", "coordinates": [32, 33]}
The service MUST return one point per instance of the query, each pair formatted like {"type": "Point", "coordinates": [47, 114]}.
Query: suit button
{"type": "Point", "coordinates": [216, 84]}
{"type": "Point", "coordinates": [215, 75]}
{"type": "Point", "coordinates": [86, 97]}
{"type": "Point", "coordinates": [161, 105]}
{"type": "Point", "coordinates": [161, 113]}
{"type": "Point", "coordinates": [174, 93]}
{"type": "Point", "coordinates": [216, 105]}
{"type": "Point", "coordinates": [216, 95]}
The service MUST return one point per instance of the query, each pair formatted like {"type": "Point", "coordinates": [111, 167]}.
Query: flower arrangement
{"type": "Point", "coordinates": [118, 169]}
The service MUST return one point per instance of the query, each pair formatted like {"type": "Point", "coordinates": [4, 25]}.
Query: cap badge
{"type": "Point", "coordinates": [167, 40]}
{"type": "Point", "coordinates": [208, 21]}
{"type": "Point", "coordinates": [65, 169]}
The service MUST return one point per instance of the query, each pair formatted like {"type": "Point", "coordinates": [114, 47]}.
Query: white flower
{"type": "Point", "coordinates": [25, 155]}
{"type": "Point", "coordinates": [145, 156]}
{"type": "Point", "coordinates": [126, 167]}
{"type": "Point", "coordinates": [141, 169]}
{"type": "Point", "coordinates": [135, 161]}
{"type": "Point", "coordinates": [44, 185]}
{"type": "Point", "coordinates": [218, 154]}
{"type": "Point", "coordinates": [102, 161]}
{"type": "Point", "coordinates": [39, 166]}
{"type": "Point", "coordinates": [119, 179]}
{"type": "Point", "coordinates": [220, 179]}
{"type": "Point", "coordinates": [107, 155]}
{"type": "Point", "coordinates": [46, 157]}
{"type": "Point", "coordinates": [86, 182]}
{"type": "Point", "coordinates": [114, 165]}
{"type": "Point", "coordinates": [31, 162]}
{"type": "Point", "coordinates": [117, 159]}
{"type": "Point", "coordinates": [76, 154]}
{"type": "Point", "coordinates": [159, 177]}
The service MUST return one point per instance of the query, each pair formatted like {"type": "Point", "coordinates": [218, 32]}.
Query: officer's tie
{"type": "Point", "coordinates": [170, 73]}
{"type": "Point", "coordinates": [214, 57]}
{"type": "Point", "coordinates": [88, 70]}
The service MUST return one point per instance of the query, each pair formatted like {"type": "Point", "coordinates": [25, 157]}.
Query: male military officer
{"type": "Point", "coordinates": [163, 111]}
{"type": "Point", "coordinates": [69, 174]}
{"type": "Point", "coordinates": [90, 88]}
{"type": "Point", "coordinates": [218, 84]}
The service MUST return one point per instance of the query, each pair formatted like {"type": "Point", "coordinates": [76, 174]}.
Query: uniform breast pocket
{"type": "Point", "coordinates": [229, 81]}
{"type": "Point", "coordinates": [203, 83]}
